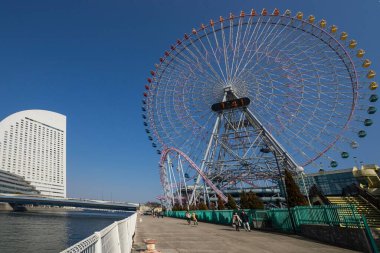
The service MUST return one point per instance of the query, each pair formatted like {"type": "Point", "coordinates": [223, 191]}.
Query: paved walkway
{"type": "Point", "coordinates": [174, 235]}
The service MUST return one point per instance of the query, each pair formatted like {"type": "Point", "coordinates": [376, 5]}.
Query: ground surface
{"type": "Point", "coordinates": [174, 235]}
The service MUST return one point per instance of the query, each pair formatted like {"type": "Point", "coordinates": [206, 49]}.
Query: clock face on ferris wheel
{"type": "Point", "coordinates": [309, 84]}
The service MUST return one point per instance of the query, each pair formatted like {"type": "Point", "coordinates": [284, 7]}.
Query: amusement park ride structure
{"type": "Point", "coordinates": [241, 99]}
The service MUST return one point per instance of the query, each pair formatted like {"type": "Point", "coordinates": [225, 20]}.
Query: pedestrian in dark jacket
{"type": "Point", "coordinates": [245, 220]}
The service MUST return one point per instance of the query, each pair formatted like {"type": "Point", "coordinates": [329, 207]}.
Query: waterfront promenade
{"type": "Point", "coordinates": [174, 235]}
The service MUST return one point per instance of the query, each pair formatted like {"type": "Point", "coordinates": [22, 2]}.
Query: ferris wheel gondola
{"type": "Point", "coordinates": [311, 96]}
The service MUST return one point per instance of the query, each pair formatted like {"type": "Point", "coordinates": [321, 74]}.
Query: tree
{"type": "Point", "coordinates": [295, 197]}
{"type": "Point", "coordinates": [184, 205]}
{"type": "Point", "coordinates": [152, 204]}
{"type": "Point", "coordinates": [243, 200]}
{"type": "Point", "coordinates": [220, 204]}
{"type": "Point", "coordinates": [176, 207]}
{"type": "Point", "coordinates": [231, 203]}
{"type": "Point", "coordinates": [317, 196]}
{"type": "Point", "coordinates": [254, 202]}
{"type": "Point", "coordinates": [193, 207]}
{"type": "Point", "coordinates": [212, 206]}
{"type": "Point", "coordinates": [202, 206]}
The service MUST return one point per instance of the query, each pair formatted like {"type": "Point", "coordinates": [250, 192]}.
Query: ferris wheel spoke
{"type": "Point", "coordinates": [247, 31]}
{"type": "Point", "coordinates": [204, 58]}
{"type": "Point", "coordinates": [311, 125]}
{"type": "Point", "coordinates": [216, 76]}
{"type": "Point", "coordinates": [162, 115]}
{"type": "Point", "coordinates": [250, 41]}
{"type": "Point", "coordinates": [295, 33]}
{"type": "Point", "coordinates": [283, 39]}
{"type": "Point", "coordinates": [307, 88]}
{"type": "Point", "coordinates": [258, 44]}
{"type": "Point", "coordinates": [301, 142]}
{"type": "Point", "coordinates": [253, 53]}
{"type": "Point", "coordinates": [300, 103]}
{"type": "Point", "coordinates": [213, 50]}
{"type": "Point", "coordinates": [317, 137]}
{"type": "Point", "coordinates": [299, 150]}
{"type": "Point", "coordinates": [267, 45]}
{"type": "Point", "coordinates": [286, 94]}
{"type": "Point", "coordinates": [304, 121]}
{"type": "Point", "coordinates": [225, 54]}
{"type": "Point", "coordinates": [235, 46]}
{"type": "Point", "coordinates": [185, 65]}
{"type": "Point", "coordinates": [206, 53]}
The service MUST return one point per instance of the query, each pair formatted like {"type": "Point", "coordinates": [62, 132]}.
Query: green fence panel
{"type": "Point", "coordinates": [279, 219]}
{"type": "Point", "coordinates": [212, 216]}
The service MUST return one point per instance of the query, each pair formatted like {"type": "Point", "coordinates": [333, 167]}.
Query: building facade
{"type": "Point", "coordinates": [33, 146]}
{"type": "Point", "coordinates": [329, 182]}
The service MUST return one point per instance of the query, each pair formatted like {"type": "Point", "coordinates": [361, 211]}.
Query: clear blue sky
{"type": "Point", "coordinates": [89, 60]}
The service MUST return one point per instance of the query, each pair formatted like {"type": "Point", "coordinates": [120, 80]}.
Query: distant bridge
{"type": "Point", "coordinates": [19, 200]}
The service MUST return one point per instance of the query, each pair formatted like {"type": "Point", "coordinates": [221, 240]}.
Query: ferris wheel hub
{"type": "Point", "coordinates": [281, 89]}
{"type": "Point", "coordinates": [228, 89]}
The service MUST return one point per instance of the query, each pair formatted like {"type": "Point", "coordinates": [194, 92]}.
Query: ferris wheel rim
{"type": "Point", "coordinates": [354, 83]}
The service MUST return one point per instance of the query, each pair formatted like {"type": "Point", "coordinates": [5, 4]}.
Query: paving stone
{"type": "Point", "coordinates": [174, 235]}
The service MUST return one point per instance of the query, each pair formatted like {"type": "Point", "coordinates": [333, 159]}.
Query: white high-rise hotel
{"type": "Point", "coordinates": [33, 145]}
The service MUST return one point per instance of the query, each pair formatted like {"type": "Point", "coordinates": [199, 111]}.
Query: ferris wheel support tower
{"type": "Point", "coordinates": [222, 157]}
{"type": "Point", "coordinates": [283, 89]}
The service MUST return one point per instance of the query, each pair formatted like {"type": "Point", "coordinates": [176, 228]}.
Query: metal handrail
{"type": "Point", "coordinates": [369, 236]}
{"type": "Point", "coordinates": [367, 196]}
{"type": "Point", "coordinates": [119, 233]}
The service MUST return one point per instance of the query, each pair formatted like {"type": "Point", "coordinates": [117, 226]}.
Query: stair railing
{"type": "Point", "coordinates": [367, 196]}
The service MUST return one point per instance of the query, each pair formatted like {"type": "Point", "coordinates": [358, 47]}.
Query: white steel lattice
{"type": "Point", "coordinates": [310, 89]}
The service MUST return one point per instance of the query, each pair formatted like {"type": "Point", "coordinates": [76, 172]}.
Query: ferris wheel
{"type": "Point", "coordinates": [246, 95]}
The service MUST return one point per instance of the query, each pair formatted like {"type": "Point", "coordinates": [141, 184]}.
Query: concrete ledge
{"type": "Point", "coordinates": [5, 207]}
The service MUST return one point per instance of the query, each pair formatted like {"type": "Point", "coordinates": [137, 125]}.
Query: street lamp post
{"type": "Point", "coordinates": [269, 150]}
{"type": "Point", "coordinates": [301, 170]}
{"type": "Point", "coordinates": [356, 162]}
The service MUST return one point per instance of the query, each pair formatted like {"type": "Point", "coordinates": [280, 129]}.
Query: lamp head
{"type": "Point", "coordinates": [265, 150]}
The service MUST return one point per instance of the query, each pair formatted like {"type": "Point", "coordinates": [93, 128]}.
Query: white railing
{"type": "Point", "coordinates": [116, 238]}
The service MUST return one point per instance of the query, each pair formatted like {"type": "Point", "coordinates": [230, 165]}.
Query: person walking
{"type": "Point", "coordinates": [245, 221]}
{"type": "Point", "coordinates": [236, 221]}
{"type": "Point", "coordinates": [188, 217]}
{"type": "Point", "coordinates": [194, 218]}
